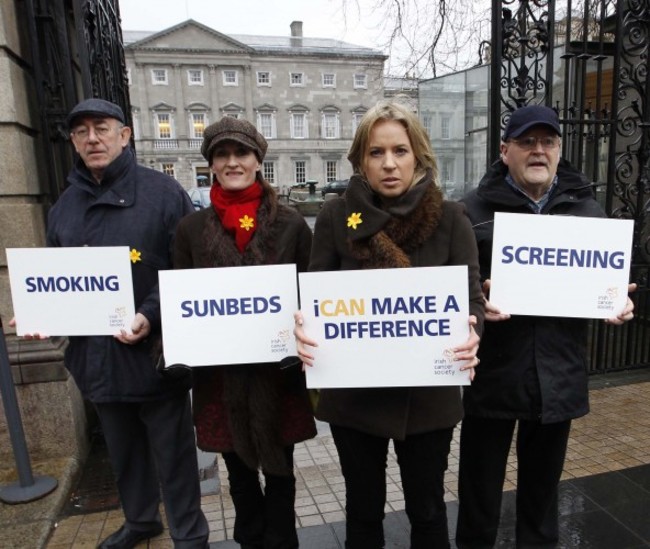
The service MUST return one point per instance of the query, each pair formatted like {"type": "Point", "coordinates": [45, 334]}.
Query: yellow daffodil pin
{"type": "Point", "coordinates": [135, 255]}
{"type": "Point", "coordinates": [247, 222]}
{"type": "Point", "coordinates": [354, 220]}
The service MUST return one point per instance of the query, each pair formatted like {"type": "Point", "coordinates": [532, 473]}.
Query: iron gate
{"type": "Point", "coordinates": [77, 52]}
{"type": "Point", "coordinates": [589, 60]}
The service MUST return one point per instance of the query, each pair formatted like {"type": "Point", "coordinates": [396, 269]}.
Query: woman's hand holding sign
{"type": "Point", "coordinates": [467, 351]}
{"type": "Point", "coordinates": [302, 341]}
{"type": "Point", "coordinates": [492, 313]}
{"type": "Point", "coordinates": [628, 312]}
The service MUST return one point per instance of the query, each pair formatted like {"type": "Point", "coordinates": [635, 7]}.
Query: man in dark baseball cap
{"type": "Point", "coordinates": [532, 375]}
{"type": "Point", "coordinates": [529, 116]}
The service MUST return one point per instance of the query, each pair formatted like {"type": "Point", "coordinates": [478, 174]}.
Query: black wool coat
{"type": "Point", "coordinates": [532, 368]}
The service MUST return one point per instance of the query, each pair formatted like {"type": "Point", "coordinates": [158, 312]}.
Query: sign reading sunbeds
{"type": "Point", "coordinates": [386, 327]}
{"type": "Point", "coordinates": [551, 265]}
{"type": "Point", "coordinates": [230, 315]}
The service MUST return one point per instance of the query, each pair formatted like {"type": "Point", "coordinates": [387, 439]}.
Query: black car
{"type": "Point", "coordinates": [339, 186]}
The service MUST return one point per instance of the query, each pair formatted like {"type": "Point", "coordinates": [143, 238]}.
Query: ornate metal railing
{"type": "Point", "coordinates": [589, 60]}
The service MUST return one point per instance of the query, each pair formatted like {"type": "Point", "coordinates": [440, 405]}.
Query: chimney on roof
{"type": "Point", "coordinates": [296, 29]}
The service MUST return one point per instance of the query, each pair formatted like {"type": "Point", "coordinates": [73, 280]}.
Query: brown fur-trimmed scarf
{"type": "Point", "coordinates": [251, 393]}
{"type": "Point", "coordinates": [392, 230]}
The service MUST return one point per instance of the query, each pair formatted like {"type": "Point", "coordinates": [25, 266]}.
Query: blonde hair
{"type": "Point", "coordinates": [386, 110]}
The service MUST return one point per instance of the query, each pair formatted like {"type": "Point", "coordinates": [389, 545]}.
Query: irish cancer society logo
{"type": "Point", "coordinates": [606, 300]}
{"type": "Point", "coordinates": [279, 344]}
{"type": "Point", "coordinates": [117, 319]}
{"type": "Point", "coordinates": [444, 366]}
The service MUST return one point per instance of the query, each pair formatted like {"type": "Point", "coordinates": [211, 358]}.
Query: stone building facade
{"type": "Point", "coordinates": [305, 95]}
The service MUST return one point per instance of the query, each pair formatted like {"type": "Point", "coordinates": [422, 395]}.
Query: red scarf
{"type": "Point", "coordinates": [237, 211]}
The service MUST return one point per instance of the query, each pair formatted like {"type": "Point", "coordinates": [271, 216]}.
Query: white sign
{"type": "Point", "coordinates": [71, 291]}
{"type": "Point", "coordinates": [386, 327]}
{"type": "Point", "coordinates": [228, 315]}
{"type": "Point", "coordinates": [552, 265]}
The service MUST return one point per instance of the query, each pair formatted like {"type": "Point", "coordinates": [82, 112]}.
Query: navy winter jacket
{"type": "Point", "coordinates": [136, 207]}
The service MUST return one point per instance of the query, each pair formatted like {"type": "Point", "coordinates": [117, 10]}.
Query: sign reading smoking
{"type": "Point", "coordinates": [551, 265]}
{"type": "Point", "coordinates": [228, 315]}
{"type": "Point", "coordinates": [71, 291]}
{"type": "Point", "coordinates": [386, 327]}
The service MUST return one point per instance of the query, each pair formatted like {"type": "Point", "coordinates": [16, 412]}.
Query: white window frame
{"type": "Point", "coordinates": [329, 175]}
{"type": "Point", "coordinates": [168, 168]}
{"type": "Point", "coordinates": [427, 123]}
{"type": "Point", "coordinates": [333, 82]}
{"type": "Point", "coordinates": [300, 166]}
{"type": "Point", "coordinates": [447, 166]}
{"type": "Point", "coordinates": [445, 126]}
{"type": "Point", "coordinates": [271, 131]}
{"type": "Point", "coordinates": [325, 118]}
{"type": "Point", "coordinates": [193, 131]}
{"type": "Point", "coordinates": [190, 81]}
{"type": "Point", "coordinates": [258, 78]}
{"type": "Point", "coordinates": [157, 122]}
{"type": "Point", "coordinates": [358, 84]}
{"type": "Point", "coordinates": [356, 120]}
{"type": "Point", "coordinates": [268, 171]}
{"type": "Point", "coordinates": [294, 117]}
{"type": "Point", "coordinates": [300, 84]}
{"type": "Point", "coordinates": [155, 81]}
{"type": "Point", "coordinates": [225, 77]}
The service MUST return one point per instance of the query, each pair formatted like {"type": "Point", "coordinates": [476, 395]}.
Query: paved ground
{"type": "Point", "coordinates": [605, 488]}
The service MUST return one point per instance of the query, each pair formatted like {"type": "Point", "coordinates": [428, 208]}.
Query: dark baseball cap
{"type": "Point", "coordinates": [524, 118]}
{"type": "Point", "coordinates": [99, 108]}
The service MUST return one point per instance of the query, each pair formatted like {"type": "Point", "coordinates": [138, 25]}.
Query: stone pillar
{"type": "Point", "coordinates": [52, 410]}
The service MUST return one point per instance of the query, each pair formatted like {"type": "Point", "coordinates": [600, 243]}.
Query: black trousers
{"type": "Point", "coordinates": [484, 447]}
{"type": "Point", "coordinates": [422, 461]}
{"type": "Point", "coordinates": [151, 446]}
{"type": "Point", "coordinates": [263, 518]}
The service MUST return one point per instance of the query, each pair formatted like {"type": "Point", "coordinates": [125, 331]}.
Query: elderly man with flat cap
{"type": "Point", "coordinates": [146, 419]}
{"type": "Point", "coordinates": [533, 369]}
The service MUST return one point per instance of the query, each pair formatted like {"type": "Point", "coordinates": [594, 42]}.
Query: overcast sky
{"type": "Point", "coordinates": [321, 18]}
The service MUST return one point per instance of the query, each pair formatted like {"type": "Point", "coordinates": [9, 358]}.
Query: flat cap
{"type": "Point", "coordinates": [524, 118]}
{"type": "Point", "coordinates": [95, 107]}
{"type": "Point", "coordinates": [233, 129]}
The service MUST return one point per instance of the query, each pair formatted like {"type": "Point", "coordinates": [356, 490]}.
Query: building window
{"type": "Point", "coordinates": [296, 79]}
{"type": "Point", "coordinates": [329, 80]}
{"type": "Point", "coordinates": [445, 127]}
{"type": "Point", "coordinates": [268, 171]}
{"type": "Point", "coordinates": [195, 77]}
{"type": "Point", "coordinates": [198, 123]}
{"type": "Point", "coordinates": [164, 125]}
{"type": "Point", "coordinates": [266, 124]}
{"type": "Point", "coordinates": [230, 78]}
{"type": "Point", "coordinates": [168, 169]}
{"type": "Point", "coordinates": [159, 77]}
{"type": "Point", "coordinates": [298, 125]}
{"type": "Point", "coordinates": [331, 170]}
{"type": "Point", "coordinates": [360, 81]}
{"type": "Point", "coordinates": [263, 78]}
{"type": "Point", "coordinates": [330, 125]}
{"type": "Point", "coordinates": [356, 120]}
{"type": "Point", "coordinates": [300, 171]}
{"type": "Point", "coordinates": [447, 170]}
{"type": "Point", "coordinates": [128, 76]}
{"type": "Point", "coordinates": [426, 123]}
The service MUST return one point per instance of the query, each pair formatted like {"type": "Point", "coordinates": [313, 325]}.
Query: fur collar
{"type": "Point", "coordinates": [391, 232]}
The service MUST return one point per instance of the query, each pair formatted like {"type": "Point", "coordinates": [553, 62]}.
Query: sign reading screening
{"type": "Point", "coordinates": [229, 315]}
{"type": "Point", "coordinates": [386, 327]}
{"type": "Point", "coordinates": [551, 265]}
{"type": "Point", "coordinates": [71, 291]}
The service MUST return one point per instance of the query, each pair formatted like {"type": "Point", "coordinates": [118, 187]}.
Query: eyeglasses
{"type": "Point", "coordinates": [100, 131]}
{"type": "Point", "coordinates": [529, 143]}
